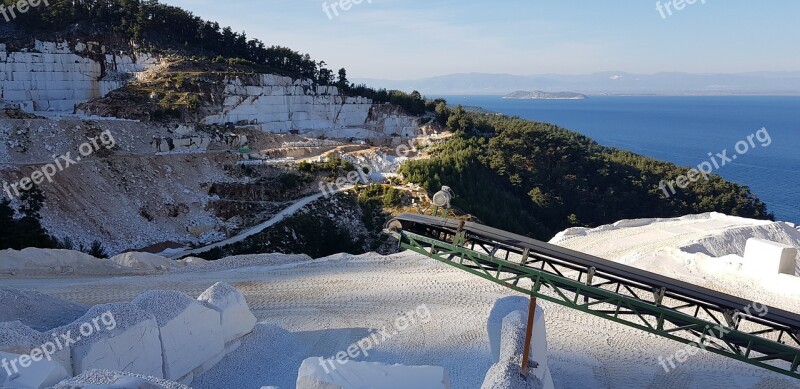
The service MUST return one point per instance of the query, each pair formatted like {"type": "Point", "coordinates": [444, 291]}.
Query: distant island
{"type": "Point", "coordinates": [539, 95]}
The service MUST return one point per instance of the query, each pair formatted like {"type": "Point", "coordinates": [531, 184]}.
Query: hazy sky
{"type": "Point", "coordinates": [405, 39]}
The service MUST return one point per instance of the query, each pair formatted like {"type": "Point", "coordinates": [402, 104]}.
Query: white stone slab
{"type": "Point", "coordinates": [506, 372]}
{"type": "Point", "coordinates": [237, 319]}
{"type": "Point", "coordinates": [131, 344]}
{"type": "Point", "coordinates": [191, 334]}
{"type": "Point", "coordinates": [502, 308]}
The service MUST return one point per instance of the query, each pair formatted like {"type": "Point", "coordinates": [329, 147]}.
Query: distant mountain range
{"type": "Point", "coordinates": [606, 83]}
{"type": "Point", "coordinates": [539, 95]}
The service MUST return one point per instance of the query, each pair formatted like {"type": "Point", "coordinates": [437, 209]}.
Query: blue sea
{"type": "Point", "coordinates": [684, 130]}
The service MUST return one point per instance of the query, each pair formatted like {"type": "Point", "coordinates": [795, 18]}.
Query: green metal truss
{"type": "Point", "coordinates": [614, 300]}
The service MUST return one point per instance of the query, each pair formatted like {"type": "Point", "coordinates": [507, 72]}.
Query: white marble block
{"type": "Point", "coordinates": [237, 319]}
{"type": "Point", "coordinates": [127, 340]}
{"type": "Point", "coordinates": [191, 333]}
{"type": "Point", "coordinates": [767, 257]}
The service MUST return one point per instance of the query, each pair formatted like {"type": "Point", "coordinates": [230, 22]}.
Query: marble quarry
{"type": "Point", "coordinates": [56, 76]}
{"type": "Point", "coordinates": [282, 105]}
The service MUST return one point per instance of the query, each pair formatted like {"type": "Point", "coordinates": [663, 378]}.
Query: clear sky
{"type": "Point", "coordinates": [407, 39]}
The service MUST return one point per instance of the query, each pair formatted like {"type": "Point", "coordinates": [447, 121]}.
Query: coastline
{"type": "Point", "coordinates": [650, 125]}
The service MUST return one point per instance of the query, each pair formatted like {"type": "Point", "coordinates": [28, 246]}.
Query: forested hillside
{"type": "Point", "coordinates": [537, 179]}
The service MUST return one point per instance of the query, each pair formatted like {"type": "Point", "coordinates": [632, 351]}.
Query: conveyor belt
{"type": "Point", "coordinates": [766, 336]}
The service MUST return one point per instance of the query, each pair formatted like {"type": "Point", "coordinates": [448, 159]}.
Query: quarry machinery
{"type": "Point", "coordinates": [676, 310]}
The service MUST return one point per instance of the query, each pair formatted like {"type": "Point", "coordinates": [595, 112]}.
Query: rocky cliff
{"type": "Point", "coordinates": [53, 76]}
{"type": "Point", "coordinates": [57, 77]}
{"type": "Point", "coordinates": [280, 104]}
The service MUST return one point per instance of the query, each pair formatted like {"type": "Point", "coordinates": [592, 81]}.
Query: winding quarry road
{"type": "Point", "coordinates": [291, 210]}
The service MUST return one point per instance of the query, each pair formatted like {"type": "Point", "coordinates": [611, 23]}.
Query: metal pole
{"type": "Point", "coordinates": [528, 336]}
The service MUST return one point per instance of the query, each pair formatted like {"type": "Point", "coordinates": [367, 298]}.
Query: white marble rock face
{"type": "Point", "coordinates": [279, 105]}
{"type": "Point", "coordinates": [52, 77]}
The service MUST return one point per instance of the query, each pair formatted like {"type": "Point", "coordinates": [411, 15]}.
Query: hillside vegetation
{"type": "Point", "coordinates": [160, 28]}
{"type": "Point", "coordinates": [537, 179]}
